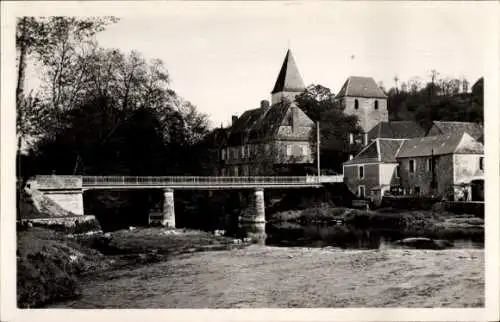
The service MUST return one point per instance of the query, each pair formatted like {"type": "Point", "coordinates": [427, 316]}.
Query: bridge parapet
{"type": "Point", "coordinates": [58, 182]}
{"type": "Point", "coordinates": [196, 180]}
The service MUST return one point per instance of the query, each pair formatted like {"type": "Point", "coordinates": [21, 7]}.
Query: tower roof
{"type": "Point", "coordinates": [358, 86]}
{"type": "Point", "coordinates": [289, 79]}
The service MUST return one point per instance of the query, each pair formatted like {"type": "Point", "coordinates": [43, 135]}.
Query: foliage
{"type": "Point", "coordinates": [335, 126]}
{"type": "Point", "coordinates": [445, 99]}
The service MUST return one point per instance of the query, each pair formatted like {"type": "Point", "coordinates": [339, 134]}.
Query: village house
{"type": "Point", "coordinates": [274, 135]}
{"type": "Point", "coordinates": [372, 171]}
{"type": "Point", "coordinates": [450, 166]}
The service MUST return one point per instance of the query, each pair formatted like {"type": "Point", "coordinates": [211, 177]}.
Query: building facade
{"type": "Point", "coordinates": [450, 166]}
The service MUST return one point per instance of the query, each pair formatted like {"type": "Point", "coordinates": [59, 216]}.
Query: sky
{"type": "Point", "coordinates": [225, 57]}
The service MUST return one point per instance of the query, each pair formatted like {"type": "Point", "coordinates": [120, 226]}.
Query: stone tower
{"type": "Point", "coordinates": [289, 82]}
{"type": "Point", "coordinates": [362, 97]}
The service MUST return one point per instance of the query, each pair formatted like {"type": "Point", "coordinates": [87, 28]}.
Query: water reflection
{"type": "Point", "coordinates": [341, 236]}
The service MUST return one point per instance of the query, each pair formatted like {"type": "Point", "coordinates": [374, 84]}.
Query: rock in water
{"type": "Point", "coordinates": [424, 243]}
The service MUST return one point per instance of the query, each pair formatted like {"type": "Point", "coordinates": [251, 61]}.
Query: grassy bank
{"type": "Point", "coordinates": [51, 263]}
{"type": "Point", "coordinates": [417, 220]}
{"type": "Point", "coordinates": [269, 277]}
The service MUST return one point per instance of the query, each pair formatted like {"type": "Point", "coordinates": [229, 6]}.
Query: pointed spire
{"type": "Point", "coordinates": [289, 79]}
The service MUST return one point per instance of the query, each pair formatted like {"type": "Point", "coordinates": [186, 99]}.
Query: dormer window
{"type": "Point", "coordinates": [356, 104]}
{"type": "Point", "coordinates": [376, 105]}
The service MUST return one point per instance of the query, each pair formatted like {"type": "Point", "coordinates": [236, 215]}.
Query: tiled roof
{"type": "Point", "coordinates": [379, 150]}
{"type": "Point", "coordinates": [289, 78]}
{"type": "Point", "coordinates": [388, 149]}
{"type": "Point", "coordinates": [446, 127]}
{"type": "Point", "coordinates": [258, 123]}
{"type": "Point", "coordinates": [396, 130]}
{"type": "Point", "coordinates": [439, 145]}
{"type": "Point", "coordinates": [358, 86]}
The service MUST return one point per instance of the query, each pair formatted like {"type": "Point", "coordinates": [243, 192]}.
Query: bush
{"type": "Point", "coordinates": [45, 277]}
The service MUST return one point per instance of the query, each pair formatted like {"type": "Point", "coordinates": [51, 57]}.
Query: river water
{"type": "Point", "coordinates": [338, 236]}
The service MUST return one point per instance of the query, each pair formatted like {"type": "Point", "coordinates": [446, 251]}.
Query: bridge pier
{"type": "Point", "coordinates": [256, 209]}
{"type": "Point", "coordinates": [168, 209]}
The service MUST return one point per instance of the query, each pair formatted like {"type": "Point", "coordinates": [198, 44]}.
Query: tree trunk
{"type": "Point", "coordinates": [21, 74]}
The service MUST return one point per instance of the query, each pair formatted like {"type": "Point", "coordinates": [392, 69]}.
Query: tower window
{"type": "Point", "coordinates": [356, 104]}
{"type": "Point", "coordinates": [361, 172]}
{"type": "Point", "coordinates": [481, 163]}
{"type": "Point", "coordinates": [376, 105]}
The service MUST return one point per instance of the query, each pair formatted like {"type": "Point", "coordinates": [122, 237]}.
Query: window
{"type": "Point", "coordinates": [351, 138]}
{"type": "Point", "coordinates": [223, 154]}
{"type": "Point", "coordinates": [242, 151]}
{"type": "Point", "coordinates": [417, 190]}
{"type": "Point", "coordinates": [411, 166]}
{"type": "Point", "coordinates": [361, 172]}
{"type": "Point", "coordinates": [481, 163]}
{"type": "Point", "coordinates": [361, 191]}
{"type": "Point", "coordinates": [398, 172]}
{"type": "Point", "coordinates": [376, 105]}
{"type": "Point", "coordinates": [248, 150]}
{"type": "Point", "coordinates": [429, 164]}
{"type": "Point", "coordinates": [288, 150]}
{"type": "Point", "coordinates": [356, 104]}
{"type": "Point", "coordinates": [223, 172]}
{"type": "Point", "coordinates": [305, 150]}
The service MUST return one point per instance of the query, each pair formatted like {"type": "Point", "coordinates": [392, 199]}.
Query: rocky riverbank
{"type": "Point", "coordinates": [435, 223]}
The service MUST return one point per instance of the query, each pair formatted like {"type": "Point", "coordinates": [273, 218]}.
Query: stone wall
{"type": "Point", "coordinates": [366, 112]}
{"type": "Point", "coordinates": [71, 201]}
{"type": "Point", "coordinates": [370, 179]}
{"type": "Point", "coordinates": [422, 177]}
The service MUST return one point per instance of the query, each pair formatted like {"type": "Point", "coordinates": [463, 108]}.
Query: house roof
{"type": "Point", "coordinates": [259, 123]}
{"type": "Point", "coordinates": [448, 127]}
{"type": "Point", "coordinates": [440, 144]}
{"type": "Point", "coordinates": [396, 130]}
{"type": "Point", "coordinates": [289, 78]}
{"type": "Point", "coordinates": [379, 150]}
{"type": "Point", "coordinates": [358, 86]}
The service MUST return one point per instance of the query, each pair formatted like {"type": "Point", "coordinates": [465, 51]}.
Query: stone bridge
{"type": "Point", "coordinates": [67, 191]}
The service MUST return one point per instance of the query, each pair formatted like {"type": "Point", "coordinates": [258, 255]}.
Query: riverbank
{"type": "Point", "coordinates": [435, 223]}
{"type": "Point", "coordinates": [271, 277]}
{"type": "Point", "coordinates": [51, 263]}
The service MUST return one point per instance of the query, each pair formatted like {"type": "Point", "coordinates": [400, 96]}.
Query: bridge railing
{"type": "Point", "coordinates": [196, 180]}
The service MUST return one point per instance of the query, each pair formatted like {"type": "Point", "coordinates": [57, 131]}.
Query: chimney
{"type": "Point", "coordinates": [234, 118]}
{"type": "Point", "coordinates": [264, 104]}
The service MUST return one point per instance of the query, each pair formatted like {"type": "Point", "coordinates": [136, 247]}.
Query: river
{"type": "Point", "coordinates": [338, 236]}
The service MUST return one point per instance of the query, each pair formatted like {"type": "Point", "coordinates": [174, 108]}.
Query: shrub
{"type": "Point", "coordinates": [45, 277]}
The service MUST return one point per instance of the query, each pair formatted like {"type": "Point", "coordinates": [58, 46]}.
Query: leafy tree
{"type": "Point", "coordinates": [335, 126]}
{"type": "Point", "coordinates": [52, 42]}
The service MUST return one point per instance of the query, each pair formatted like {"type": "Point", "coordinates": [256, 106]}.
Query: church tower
{"type": "Point", "coordinates": [362, 97]}
{"type": "Point", "coordinates": [289, 82]}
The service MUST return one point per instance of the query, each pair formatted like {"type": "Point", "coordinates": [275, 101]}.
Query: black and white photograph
{"type": "Point", "coordinates": [250, 155]}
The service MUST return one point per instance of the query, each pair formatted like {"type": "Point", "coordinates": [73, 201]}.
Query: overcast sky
{"type": "Point", "coordinates": [225, 57]}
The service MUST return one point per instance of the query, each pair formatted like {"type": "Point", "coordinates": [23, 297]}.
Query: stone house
{"type": "Point", "coordinates": [271, 136]}
{"type": "Point", "coordinates": [450, 166]}
{"type": "Point", "coordinates": [449, 127]}
{"type": "Point", "coordinates": [372, 171]}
